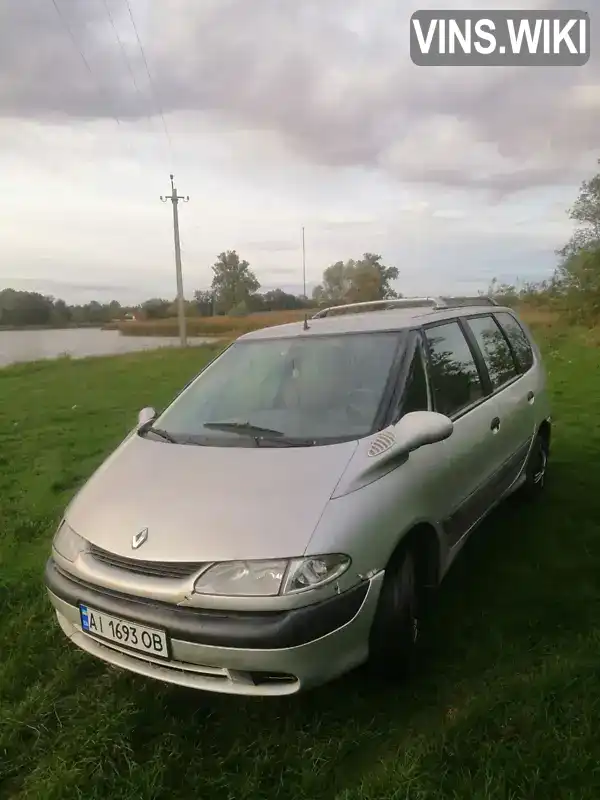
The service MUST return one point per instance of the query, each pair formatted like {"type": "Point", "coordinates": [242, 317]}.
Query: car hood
{"type": "Point", "coordinates": [207, 503]}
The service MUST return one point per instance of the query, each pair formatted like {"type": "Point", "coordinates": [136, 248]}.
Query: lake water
{"type": "Point", "coordinates": [78, 342]}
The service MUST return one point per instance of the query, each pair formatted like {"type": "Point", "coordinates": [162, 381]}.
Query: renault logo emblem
{"type": "Point", "coordinates": [139, 539]}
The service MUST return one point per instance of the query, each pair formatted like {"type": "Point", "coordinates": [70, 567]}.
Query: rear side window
{"type": "Point", "coordinates": [495, 350]}
{"type": "Point", "coordinates": [518, 340]}
{"type": "Point", "coordinates": [453, 373]}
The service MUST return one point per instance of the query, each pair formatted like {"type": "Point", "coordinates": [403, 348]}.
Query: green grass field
{"type": "Point", "coordinates": [507, 702]}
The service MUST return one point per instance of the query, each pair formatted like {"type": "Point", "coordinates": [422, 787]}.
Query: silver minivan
{"type": "Point", "coordinates": [283, 519]}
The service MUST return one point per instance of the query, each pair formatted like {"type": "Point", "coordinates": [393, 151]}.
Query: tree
{"type": "Point", "coordinates": [190, 309]}
{"type": "Point", "coordinates": [507, 294]}
{"type": "Point", "coordinates": [61, 313]}
{"type": "Point", "coordinates": [577, 277]}
{"type": "Point", "coordinates": [530, 293]}
{"type": "Point", "coordinates": [30, 309]}
{"type": "Point", "coordinates": [156, 308]}
{"type": "Point", "coordinates": [240, 310]}
{"type": "Point", "coordinates": [233, 281]}
{"type": "Point", "coordinates": [336, 284]}
{"type": "Point", "coordinates": [203, 298]}
{"type": "Point", "coordinates": [586, 214]}
{"type": "Point", "coordinates": [25, 308]}
{"type": "Point", "coordinates": [356, 281]}
{"type": "Point", "coordinates": [385, 275]}
{"type": "Point", "coordinates": [278, 300]}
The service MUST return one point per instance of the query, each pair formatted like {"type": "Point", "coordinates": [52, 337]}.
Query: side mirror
{"type": "Point", "coordinates": [418, 428]}
{"type": "Point", "coordinates": [391, 447]}
{"type": "Point", "coordinates": [146, 415]}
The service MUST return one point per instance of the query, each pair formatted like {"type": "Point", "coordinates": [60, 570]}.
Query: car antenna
{"type": "Point", "coordinates": [305, 326]}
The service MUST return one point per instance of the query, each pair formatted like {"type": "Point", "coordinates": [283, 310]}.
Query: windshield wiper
{"type": "Point", "coordinates": [159, 432]}
{"type": "Point", "coordinates": [287, 441]}
{"type": "Point", "coordinates": [242, 428]}
{"type": "Point", "coordinates": [260, 434]}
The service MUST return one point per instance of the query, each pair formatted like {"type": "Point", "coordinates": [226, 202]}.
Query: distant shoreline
{"type": "Point", "coordinates": [97, 325]}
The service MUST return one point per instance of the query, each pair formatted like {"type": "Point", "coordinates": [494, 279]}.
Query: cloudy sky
{"type": "Point", "coordinates": [276, 114]}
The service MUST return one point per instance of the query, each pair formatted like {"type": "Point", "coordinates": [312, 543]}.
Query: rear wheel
{"type": "Point", "coordinates": [395, 629]}
{"type": "Point", "coordinates": [535, 469]}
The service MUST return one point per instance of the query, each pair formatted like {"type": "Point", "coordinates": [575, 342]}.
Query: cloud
{"type": "Point", "coordinates": [269, 245]}
{"type": "Point", "coordinates": [282, 114]}
{"type": "Point", "coordinates": [72, 291]}
{"type": "Point", "coordinates": [332, 79]}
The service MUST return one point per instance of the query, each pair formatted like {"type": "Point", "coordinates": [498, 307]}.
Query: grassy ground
{"type": "Point", "coordinates": [506, 705]}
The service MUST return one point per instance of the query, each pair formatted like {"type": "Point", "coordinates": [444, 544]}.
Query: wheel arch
{"type": "Point", "coordinates": [545, 431]}
{"type": "Point", "coordinates": [424, 541]}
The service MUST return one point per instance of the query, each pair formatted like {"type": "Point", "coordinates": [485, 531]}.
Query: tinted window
{"type": "Point", "coordinates": [518, 340]}
{"type": "Point", "coordinates": [495, 350]}
{"type": "Point", "coordinates": [414, 397]}
{"type": "Point", "coordinates": [313, 387]}
{"type": "Point", "coordinates": [454, 377]}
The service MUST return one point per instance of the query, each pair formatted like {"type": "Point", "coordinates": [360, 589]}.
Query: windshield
{"type": "Point", "coordinates": [278, 392]}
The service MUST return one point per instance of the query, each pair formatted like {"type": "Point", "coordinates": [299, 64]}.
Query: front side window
{"type": "Point", "coordinates": [453, 372]}
{"type": "Point", "coordinates": [414, 397]}
{"type": "Point", "coordinates": [317, 388]}
{"type": "Point", "coordinates": [518, 340]}
{"type": "Point", "coordinates": [495, 350]}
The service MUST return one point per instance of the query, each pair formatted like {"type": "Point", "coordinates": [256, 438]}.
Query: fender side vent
{"type": "Point", "coordinates": [382, 443]}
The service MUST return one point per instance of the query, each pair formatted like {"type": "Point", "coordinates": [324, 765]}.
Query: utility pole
{"type": "Point", "coordinates": [174, 198]}
{"type": "Point", "coordinates": [303, 262]}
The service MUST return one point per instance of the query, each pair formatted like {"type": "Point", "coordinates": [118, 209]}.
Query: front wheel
{"type": "Point", "coordinates": [395, 629]}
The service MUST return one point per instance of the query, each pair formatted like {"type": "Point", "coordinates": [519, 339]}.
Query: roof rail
{"type": "Point", "coordinates": [458, 302]}
{"type": "Point", "coordinates": [376, 305]}
{"type": "Point", "coordinates": [406, 302]}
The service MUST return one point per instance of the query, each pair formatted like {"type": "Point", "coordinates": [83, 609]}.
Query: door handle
{"type": "Point", "coordinates": [530, 397]}
{"type": "Point", "coordinates": [495, 425]}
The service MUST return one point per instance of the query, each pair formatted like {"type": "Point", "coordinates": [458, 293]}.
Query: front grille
{"type": "Point", "coordinates": [155, 569]}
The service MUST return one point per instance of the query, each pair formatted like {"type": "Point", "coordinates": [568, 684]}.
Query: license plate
{"type": "Point", "coordinates": [124, 632]}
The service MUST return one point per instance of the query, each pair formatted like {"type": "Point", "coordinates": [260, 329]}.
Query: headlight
{"type": "Point", "coordinates": [308, 573]}
{"type": "Point", "coordinates": [270, 578]}
{"type": "Point", "coordinates": [67, 543]}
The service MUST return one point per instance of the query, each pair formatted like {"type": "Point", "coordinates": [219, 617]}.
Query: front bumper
{"type": "Point", "coordinates": [268, 653]}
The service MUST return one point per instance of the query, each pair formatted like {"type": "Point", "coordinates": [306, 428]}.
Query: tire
{"type": "Point", "coordinates": [535, 469]}
{"type": "Point", "coordinates": [395, 629]}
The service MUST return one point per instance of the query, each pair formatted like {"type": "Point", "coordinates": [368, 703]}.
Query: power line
{"type": "Point", "coordinates": [125, 56]}
{"type": "Point", "coordinates": [121, 46]}
{"type": "Point", "coordinates": [150, 79]}
{"type": "Point", "coordinates": [73, 38]}
{"type": "Point", "coordinates": [80, 51]}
